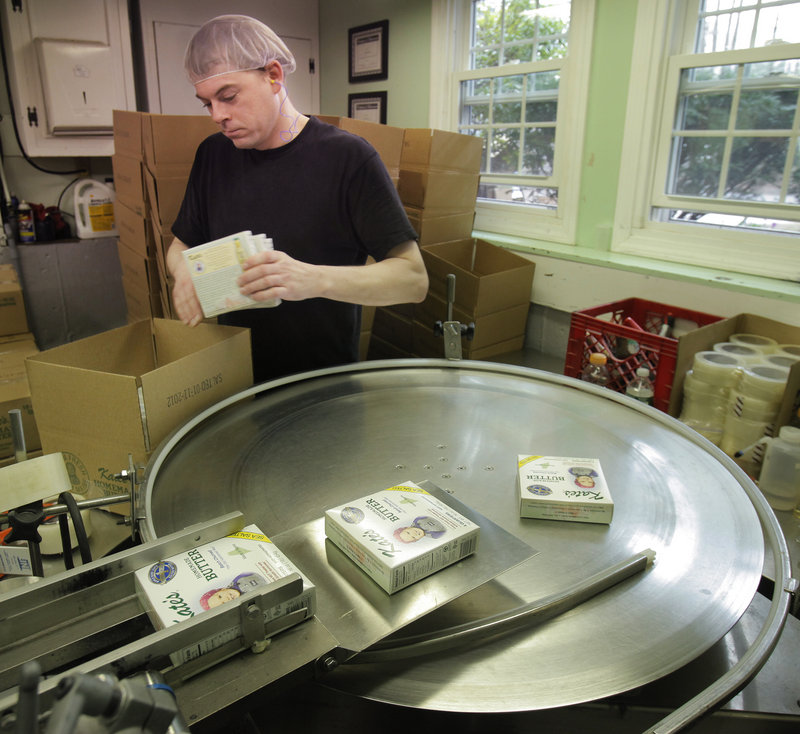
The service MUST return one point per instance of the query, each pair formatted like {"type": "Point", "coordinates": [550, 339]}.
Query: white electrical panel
{"type": "Point", "coordinates": [70, 65]}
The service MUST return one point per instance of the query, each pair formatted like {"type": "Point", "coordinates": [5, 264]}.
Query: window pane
{"type": "Point", "coordinates": [699, 166]}
{"type": "Point", "coordinates": [778, 23]}
{"type": "Point", "coordinates": [705, 112]}
{"type": "Point", "coordinates": [756, 169]}
{"type": "Point", "coordinates": [531, 195]}
{"type": "Point", "coordinates": [726, 32]}
{"type": "Point", "coordinates": [538, 151]}
{"type": "Point", "coordinates": [793, 195]}
{"type": "Point", "coordinates": [766, 109]}
{"type": "Point", "coordinates": [504, 155]}
{"type": "Point", "coordinates": [541, 111]}
{"type": "Point", "coordinates": [731, 221]}
{"type": "Point", "coordinates": [518, 31]}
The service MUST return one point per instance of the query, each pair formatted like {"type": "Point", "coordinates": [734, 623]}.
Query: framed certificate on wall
{"type": "Point", "coordinates": [369, 52]}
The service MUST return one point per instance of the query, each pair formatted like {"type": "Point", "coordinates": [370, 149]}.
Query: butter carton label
{"type": "Point", "coordinates": [563, 488]}
{"type": "Point", "coordinates": [401, 534]}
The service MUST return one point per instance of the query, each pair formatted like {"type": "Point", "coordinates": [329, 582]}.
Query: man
{"type": "Point", "coordinates": [322, 195]}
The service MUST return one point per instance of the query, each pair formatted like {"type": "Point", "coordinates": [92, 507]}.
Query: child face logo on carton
{"type": "Point", "coordinates": [418, 529]}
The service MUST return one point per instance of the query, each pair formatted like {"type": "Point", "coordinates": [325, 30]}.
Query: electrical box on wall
{"type": "Point", "coordinates": [70, 65]}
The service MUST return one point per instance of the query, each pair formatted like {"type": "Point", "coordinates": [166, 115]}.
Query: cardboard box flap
{"type": "Point", "coordinates": [100, 403]}
{"type": "Point", "coordinates": [184, 384]}
{"type": "Point", "coordinates": [116, 351]}
{"type": "Point", "coordinates": [171, 140]}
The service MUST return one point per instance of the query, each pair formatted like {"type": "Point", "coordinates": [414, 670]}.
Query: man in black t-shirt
{"type": "Point", "coordinates": [322, 195]}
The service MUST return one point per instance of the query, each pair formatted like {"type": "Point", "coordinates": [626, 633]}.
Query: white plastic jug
{"type": "Point", "coordinates": [94, 209]}
{"type": "Point", "coordinates": [780, 473]}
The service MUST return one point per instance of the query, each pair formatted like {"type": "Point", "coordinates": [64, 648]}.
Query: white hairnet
{"type": "Point", "coordinates": [234, 43]}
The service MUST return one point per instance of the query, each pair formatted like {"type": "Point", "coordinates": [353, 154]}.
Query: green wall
{"type": "Point", "coordinates": [605, 121]}
{"type": "Point", "coordinates": [408, 84]}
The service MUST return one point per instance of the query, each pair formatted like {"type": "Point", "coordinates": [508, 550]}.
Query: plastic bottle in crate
{"type": "Point", "coordinates": [596, 371]}
{"type": "Point", "coordinates": [641, 386]}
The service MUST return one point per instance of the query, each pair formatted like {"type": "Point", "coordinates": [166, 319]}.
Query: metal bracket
{"type": "Point", "coordinates": [451, 330]}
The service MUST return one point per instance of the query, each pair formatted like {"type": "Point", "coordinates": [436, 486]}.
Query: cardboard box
{"type": "Point", "coordinates": [563, 488]}
{"type": "Point", "coordinates": [705, 337]}
{"type": "Point", "coordinates": [182, 586]}
{"type": "Point", "coordinates": [400, 535]}
{"type": "Point", "coordinates": [488, 278]}
{"type": "Point", "coordinates": [440, 193]}
{"type": "Point", "coordinates": [381, 349]}
{"type": "Point", "coordinates": [394, 329]}
{"type": "Point", "coordinates": [128, 133]}
{"type": "Point", "coordinates": [13, 319]}
{"type": "Point", "coordinates": [129, 182]}
{"type": "Point", "coordinates": [170, 141]}
{"type": "Point", "coordinates": [137, 270]}
{"type": "Point", "coordinates": [165, 196]}
{"type": "Point", "coordinates": [387, 140]}
{"type": "Point", "coordinates": [495, 327]}
{"type": "Point", "coordinates": [141, 303]}
{"type": "Point", "coordinates": [441, 150]}
{"type": "Point", "coordinates": [432, 229]}
{"type": "Point", "coordinates": [133, 230]}
{"type": "Point", "coordinates": [15, 393]}
{"type": "Point", "coordinates": [123, 391]}
{"type": "Point", "coordinates": [428, 344]}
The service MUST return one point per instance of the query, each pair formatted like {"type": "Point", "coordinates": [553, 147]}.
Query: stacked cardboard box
{"type": "Point", "coordinates": [16, 343]}
{"type": "Point", "coordinates": [439, 176]}
{"type": "Point", "coordinates": [438, 184]}
{"type": "Point", "coordinates": [152, 158]}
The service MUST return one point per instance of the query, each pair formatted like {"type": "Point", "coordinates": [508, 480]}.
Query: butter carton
{"type": "Point", "coordinates": [401, 534]}
{"type": "Point", "coordinates": [185, 585]}
{"type": "Point", "coordinates": [563, 488]}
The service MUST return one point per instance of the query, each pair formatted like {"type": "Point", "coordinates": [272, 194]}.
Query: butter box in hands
{"type": "Point", "coordinates": [401, 534]}
{"type": "Point", "coordinates": [180, 587]}
{"type": "Point", "coordinates": [563, 488]}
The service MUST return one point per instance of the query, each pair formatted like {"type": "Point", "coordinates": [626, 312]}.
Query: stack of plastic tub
{"type": "Point", "coordinates": [733, 393]}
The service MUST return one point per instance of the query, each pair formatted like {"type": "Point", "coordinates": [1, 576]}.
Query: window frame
{"type": "Point", "coordinates": [449, 67]}
{"type": "Point", "coordinates": [662, 31]}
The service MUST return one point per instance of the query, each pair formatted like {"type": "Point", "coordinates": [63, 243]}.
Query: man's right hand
{"type": "Point", "coordinates": [184, 298]}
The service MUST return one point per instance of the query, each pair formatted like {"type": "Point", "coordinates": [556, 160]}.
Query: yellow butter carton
{"type": "Point", "coordinates": [187, 584]}
{"type": "Point", "coordinates": [401, 534]}
{"type": "Point", "coordinates": [563, 488]}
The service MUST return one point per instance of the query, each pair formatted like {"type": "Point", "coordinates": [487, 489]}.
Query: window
{"type": "Point", "coordinates": [723, 184]}
{"type": "Point", "coordinates": [514, 78]}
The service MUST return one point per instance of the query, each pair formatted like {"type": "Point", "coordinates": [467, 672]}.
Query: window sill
{"type": "Point", "coordinates": [782, 290]}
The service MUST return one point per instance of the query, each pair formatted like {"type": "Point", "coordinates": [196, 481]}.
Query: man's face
{"type": "Point", "coordinates": [245, 105]}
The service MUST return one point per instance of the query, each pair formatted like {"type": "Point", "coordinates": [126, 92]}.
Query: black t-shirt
{"type": "Point", "coordinates": [324, 198]}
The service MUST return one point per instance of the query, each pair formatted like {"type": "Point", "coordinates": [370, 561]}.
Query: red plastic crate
{"type": "Point", "coordinates": [612, 330]}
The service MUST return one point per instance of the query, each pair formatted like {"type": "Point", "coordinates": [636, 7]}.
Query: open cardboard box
{"type": "Point", "coordinates": [705, 337]}
{"type": "Point", "coordinates": [122, 392]}
{"type": "Point", "coordinates": [488, 278]}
